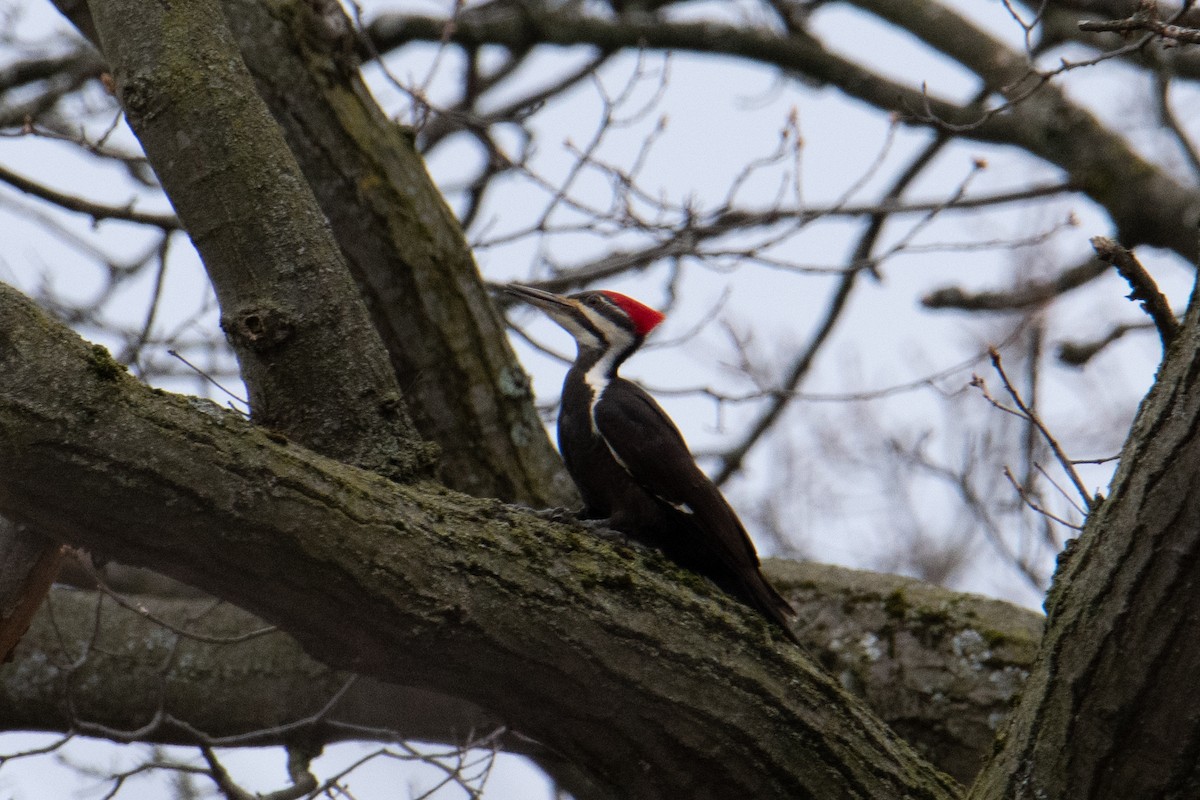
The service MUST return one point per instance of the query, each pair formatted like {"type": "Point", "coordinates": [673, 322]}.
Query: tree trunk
{"type": "Point", "coordinates": [448, 346]}
{"type": "Point", "coordinates": [1110, 710]}
{"type": "Point", "coordinates": [462, 383]}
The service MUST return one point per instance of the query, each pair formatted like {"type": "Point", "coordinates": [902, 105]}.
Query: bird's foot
{"type": "Point", "coordinates": [558, 514]}
{"type": "Point", "coordinates": [601, 530]}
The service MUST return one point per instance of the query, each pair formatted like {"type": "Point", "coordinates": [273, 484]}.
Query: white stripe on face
{"type": "Point", "coordinates": [619, 338]}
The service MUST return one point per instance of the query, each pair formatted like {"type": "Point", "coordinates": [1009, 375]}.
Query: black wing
{"type": "Point", "coordinates": [649, 446]}
{"type": "Point", "coordinates": [647, 443]}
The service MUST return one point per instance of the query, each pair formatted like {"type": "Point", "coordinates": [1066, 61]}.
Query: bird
{"type": "Point", "coordinates": [632, 465]}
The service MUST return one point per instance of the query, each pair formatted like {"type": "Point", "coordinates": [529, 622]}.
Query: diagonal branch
{"type": "Point", "coordinates": [288, 304]}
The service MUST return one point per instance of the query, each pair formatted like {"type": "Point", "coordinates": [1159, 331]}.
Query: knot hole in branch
{"type": "Point", "coordinates": [259, 328]}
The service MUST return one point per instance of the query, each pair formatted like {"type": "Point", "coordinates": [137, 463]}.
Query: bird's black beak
{"type": "Point", "coordinates": [546, 301]}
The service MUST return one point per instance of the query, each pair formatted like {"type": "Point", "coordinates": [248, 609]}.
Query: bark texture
{"type": "Point", "coordinates": [288, 304]}
{"type": "Point", "coordinates": [448, 346]}
{"type": "Point", "coordinates": [1110, 711]}
{"type": "Point", "coordinates": [616, 659]}
{"type": "Point", "coordinates": [938, 666]}
{"type": "Point", "coordinates": [28, 565]}
{"type": "Point", "coordinates": [942, 668]}
{"type": "Point", "coordinates": [462, 384]}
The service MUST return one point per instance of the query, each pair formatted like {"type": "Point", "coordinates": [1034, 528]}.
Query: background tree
{"type": "Point", "coordinates": [357, 322]}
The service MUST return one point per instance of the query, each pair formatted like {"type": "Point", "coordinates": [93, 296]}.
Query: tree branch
{"type": "Point", "coordinates": [1143, 287]}
{"type": "Point", "coordinates": [1147, 204]}
{"type": "Point", "coordinates": [919, 655]}
{"type": "Point", "coordinates": [1145, 18]}
{"type": "Point", "coordinates": [1020, 298]}
{"type": "Point", "coordinates": [28, 566]}
{"type": "Point", "coordinates": [447, 344]}
{"type": "Point", "coordinates": [287, 301]}
{"type": "Point", "coordinates": [614, 659]}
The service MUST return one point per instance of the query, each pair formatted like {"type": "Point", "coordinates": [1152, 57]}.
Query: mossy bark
{"type": "Point", "coordinates": [312, 362]}
{"type": "Point", "coordinates": [633, 673]}
{"type": "Point", "coordinates": [939, 666]}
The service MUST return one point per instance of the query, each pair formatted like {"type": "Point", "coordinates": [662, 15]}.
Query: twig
{"type": "Point", "coordinates": [1102, 460]}
{"type": "Point", "coordinates": [1061, 490]}
{"type": "Point", "coordinates": [142, 611]}
{"type": "Point", "coordinates": [206, 376]}
{"type": "Point", "coordinates": [1145, 18]}
{"type": "Point", "coordinates": [734, 457]}
{"type": "Point", "coordinates": [1039, 509]}
{"type": "Point", "coordinates": [1171, 121]}
{"type": "Point", "coordinates": [1144, 288]}
{"type": "Point", "coordinates": [1027, 413]}
{"type": "Point", "coordinates": [1078, 353]}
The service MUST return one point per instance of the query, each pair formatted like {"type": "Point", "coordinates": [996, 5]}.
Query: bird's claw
{"type": "Point", "coordinates": [597, 527]}
{"type": "Point", "coordinates": [558, 514]}
{"type": "Point", "coordinates": [600, 529]}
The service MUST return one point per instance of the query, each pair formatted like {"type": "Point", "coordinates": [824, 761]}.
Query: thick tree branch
{"type": "Point", "coordinates": [613, 659]}
{"type": "Point", "coordinates": [939, 666]}
{"type": "Point", "coordinates": [288, 305]}
{"type": "Point", "coordinates": [448, 346]}
{"type": "Point", "coordinates": [461, 381]}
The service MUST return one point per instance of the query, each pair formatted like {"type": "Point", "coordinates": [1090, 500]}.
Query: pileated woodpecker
{"type": "Point", "coordinates": [630, 462]}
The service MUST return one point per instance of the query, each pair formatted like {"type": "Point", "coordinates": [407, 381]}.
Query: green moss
{"type": "Point", "coordinates": [103, 364]}
{"type": "Point", "coordinates": [992, 637]}
{"type": "Point", "coordinates": [931, 617]}
{"type": "Point", "coordinates": [896, 605]}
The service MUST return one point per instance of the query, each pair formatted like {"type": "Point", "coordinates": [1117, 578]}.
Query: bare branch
{"type": "Point", "coordinates": [1078, 353]}
{"type": "Point", "coordinates": [1025, 296]}
{"type": "Point", "coordinates": [1027, 413]}
{"type": "Point", "coordinates": [1144, 19]}
{"type": "Point", "coordinates": [1145, 290]}
{"type": "Point", "coordinates": [97, 211]}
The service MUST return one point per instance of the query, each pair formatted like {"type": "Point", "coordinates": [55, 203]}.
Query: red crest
{"type": "Point", "coordinates": [644, 317]}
